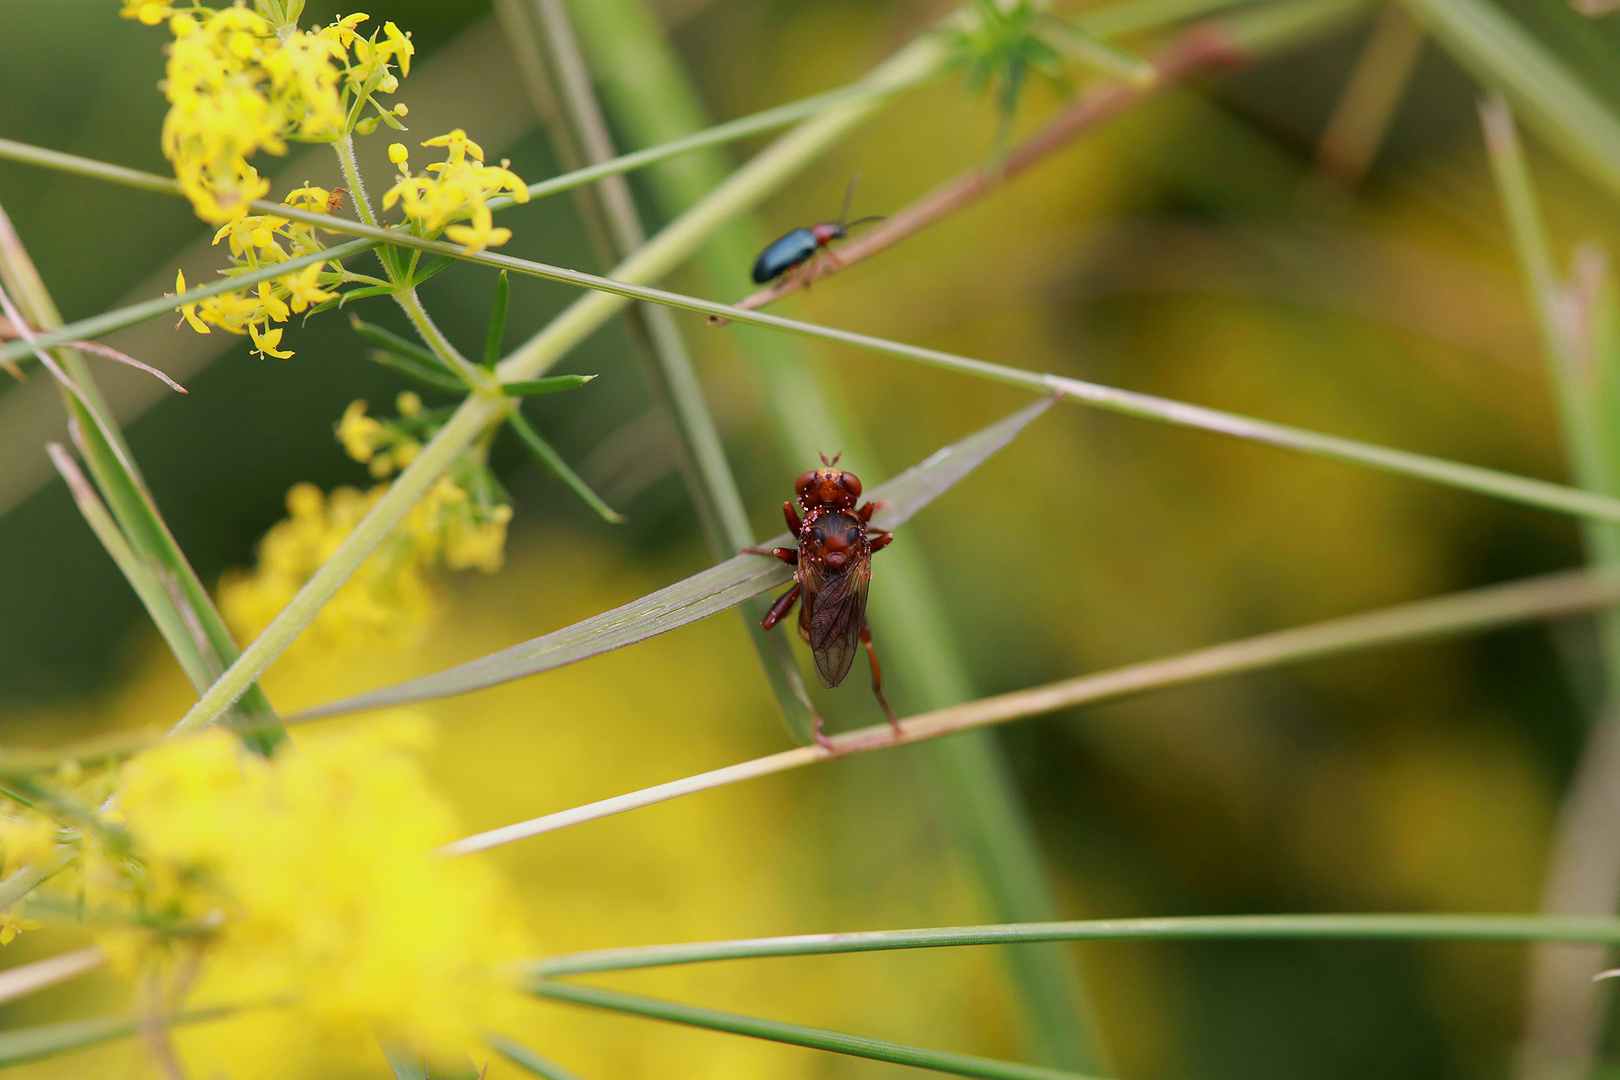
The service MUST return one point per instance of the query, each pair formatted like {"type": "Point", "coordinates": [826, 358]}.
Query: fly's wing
{"type": "Point", "coordinates": [834, 609]}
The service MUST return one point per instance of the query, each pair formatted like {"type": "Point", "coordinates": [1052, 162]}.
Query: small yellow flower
{"type": "Point", "coordinates": [188, 311]}
{"type": "Point", "coordinates": [265, 342]}
{"type": "Point", "coordinates": [303, 288]}
{"type": "Point", "coordinates": [401, 46]}
{"type": "Point", "coordinates": [455, 189]}
{"type": "Point", "coordinates": [11, 926]}
{"type": "Point", "coordinates": [360, 434]}
{"type": "Point", "coordinates": [147, 12]}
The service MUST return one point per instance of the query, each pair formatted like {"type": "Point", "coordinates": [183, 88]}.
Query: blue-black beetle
{"type": "Point", "coordinates": [799, 246]}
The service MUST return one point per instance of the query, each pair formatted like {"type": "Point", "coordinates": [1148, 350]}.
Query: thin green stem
{"type": "Point", "coordinates": [667, 250]}
{"type": "Point", "coordinates": [21, 1045]}
{"type": "Point", "coordinates": [524, 1058]}
{"type": "Point", "coordinates": [26, 879]}
{"type": "Point", "coordinates": [836, 1042]}
{"type": "Point", "coordinates": [1484, 928]}
{"type": "Point", "coordinates": [1503, 55]}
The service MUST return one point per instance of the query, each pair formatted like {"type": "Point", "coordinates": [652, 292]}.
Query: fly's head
{"type": "Point", "coordinates": [828, 488]}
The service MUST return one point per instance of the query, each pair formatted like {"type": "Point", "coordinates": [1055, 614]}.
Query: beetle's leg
{"type": "Point", "coordinates": [881, 538]}
{"type": "Point", "coordinates": [877, 680]}
{"type": "Point", "coordinates": [791, 516]}
{"type": "Point", "coordinates": [779, 610]}
{"type": "Point", "coordinates": [787, 555]}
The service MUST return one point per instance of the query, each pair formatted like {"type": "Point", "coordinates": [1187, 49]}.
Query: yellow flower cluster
{"type": "Point", "coordinates": [457, 188]}
{"type": "Point", "coordinates": [237, 84]}
{"type": "Point", "coordinates": [26, 838]}
{"type": "Point", "coordinates": [311, 881]}
{"type": "Point", "coordinates": [255, 242]}
{"type": "Point", "coordinates": [380, 447]}
{"type": "Point", "coordinates": [390, 599]}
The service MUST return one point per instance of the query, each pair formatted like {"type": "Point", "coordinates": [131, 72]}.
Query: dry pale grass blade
{"type": "Point", "coordinates": [24, 979]}
{"type": "Point", "coordinates": [1480, 609]}
{"type": "Point", "coordinates": [700, 595]}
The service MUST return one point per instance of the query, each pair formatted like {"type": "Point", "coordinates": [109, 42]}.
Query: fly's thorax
{"type": "Point", "coordinates": [835, 539]}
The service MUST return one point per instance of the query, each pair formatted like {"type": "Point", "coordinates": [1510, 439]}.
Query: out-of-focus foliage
{"type": "Point", "coordinates": [1169, 253]}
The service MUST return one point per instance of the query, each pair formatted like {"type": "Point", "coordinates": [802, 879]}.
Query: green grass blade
{"type": "Point", "coordinates": [524, 1058]}
{"type": "Point", "coordinates": [497, 320]}
{"type": "Point", "coordinates": [191, 624]}
{"type": "Point", "coordinates": [404, 1064]}
{"type": "Point", "coordinates": [836, 1042]}
{"type": "Point", "coordinates": [1511, 929]}
{"type": "Point", "coordinates": [435, 378]}
{"type": "Point", "coordinates": [549, 385]}
{"type": "Point", "coordinates": [553, 461]}
{"type": "Point", "coordinates": [700, 595]}
{"type": "Point", "coordinates": [388, 341]}
{"type": "Point", "coordinates": [50, 1040]}
{"type": "Point", "coordinates": [1503, 55]}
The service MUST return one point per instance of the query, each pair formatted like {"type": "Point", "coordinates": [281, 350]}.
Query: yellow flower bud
{"type": "Point", "coordinates": [397, 153]}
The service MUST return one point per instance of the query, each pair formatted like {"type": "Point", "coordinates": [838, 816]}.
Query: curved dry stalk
{"type": "Point", "coordinates": [1478, 609]}
{"type": "Point", "coordinates": [9, 331]}
{"type": "Point", "coordinates": [1202, 49]}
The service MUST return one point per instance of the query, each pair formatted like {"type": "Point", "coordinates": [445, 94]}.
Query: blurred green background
{"type": "Point", "coordinates": [1180, 251]}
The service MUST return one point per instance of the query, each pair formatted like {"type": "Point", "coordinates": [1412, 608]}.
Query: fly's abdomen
{"type": "Point", "coordinates": [783, 255]}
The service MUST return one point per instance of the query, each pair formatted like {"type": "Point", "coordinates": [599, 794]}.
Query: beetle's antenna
{"type": "Point", "coordinates": [864, 220]}
{"type": "Point", "coordinates": [849, 198]}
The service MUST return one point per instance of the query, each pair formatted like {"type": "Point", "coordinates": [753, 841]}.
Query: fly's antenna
{"type": "Point", "coordinates": [834, 460]}
{"type": "Point", "coordinates": [849, 198]}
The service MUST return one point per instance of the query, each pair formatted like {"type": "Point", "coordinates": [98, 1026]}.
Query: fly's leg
{"type": "Point", "coordinates": [791, 516]}
{"type": "Point", "coordinates": [780, 609]}
{"type": "Point", "coordinates": [787, 555]}
{"type": "Point", "coordinates": [877, 680]}
{"type": "Point", "coordinates": [881, 538]}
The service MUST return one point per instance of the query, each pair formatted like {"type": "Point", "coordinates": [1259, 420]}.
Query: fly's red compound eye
{"type": "Point", "coordinates": [803, 484]}
{"type": "Point", "coordinates": [850, 483]}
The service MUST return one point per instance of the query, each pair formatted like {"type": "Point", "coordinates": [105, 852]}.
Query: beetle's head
{"type": "Point", "coordinates": [828, 488]}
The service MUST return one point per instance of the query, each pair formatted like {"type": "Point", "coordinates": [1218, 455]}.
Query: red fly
{"type": "Point", "coordinates": [832, 567]}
